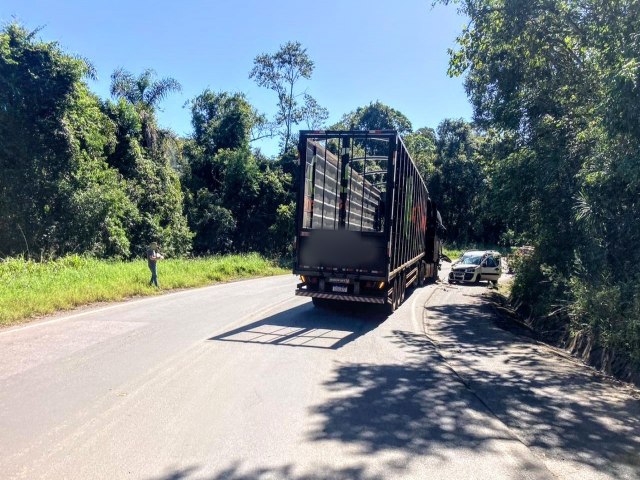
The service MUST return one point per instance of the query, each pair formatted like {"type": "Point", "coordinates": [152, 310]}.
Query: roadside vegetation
{"type": "Point", "coordinates": [454, 251]}
{"type": "Point", "coordinates": [29, 288]}
{"type": "Point", "coordinates": [555, 87]}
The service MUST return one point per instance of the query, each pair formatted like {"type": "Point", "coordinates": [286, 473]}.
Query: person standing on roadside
{"type": "Point", "coordinates": [153, 255]}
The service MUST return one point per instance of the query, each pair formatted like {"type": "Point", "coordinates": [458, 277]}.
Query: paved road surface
{"type": "Point", "coordinates": [246, 381]}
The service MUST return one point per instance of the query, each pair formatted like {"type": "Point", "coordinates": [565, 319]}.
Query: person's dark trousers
{"type": "Point", "coordinates": [154, 274]}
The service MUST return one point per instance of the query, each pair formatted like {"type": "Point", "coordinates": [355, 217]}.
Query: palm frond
{"type": "Point", "coordinates": [583, 207]}
{"type": "Point", "coordinates": [123, 85]}
{"type": "Point", "coordinates": [143, 83]}
{"type": "Point", "coordinates": [158, 90]}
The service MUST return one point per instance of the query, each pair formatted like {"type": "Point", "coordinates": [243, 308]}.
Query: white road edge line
{"type": "Point", "coordinates": [122, 303]}
{"type": "Point", "coordinates": [419, 327]}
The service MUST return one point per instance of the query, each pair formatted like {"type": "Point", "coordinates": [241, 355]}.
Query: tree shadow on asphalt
{"type": "Point", "coordinates": [414, 407]}
{"type": "Point", "coordinates": [423, 408]}
{"type": "Point", "coordinates": [560, 408]}
{"type": "Point", "coordinates": [235, 472]}
{"type": "Point", "coordinates": [306, 326]}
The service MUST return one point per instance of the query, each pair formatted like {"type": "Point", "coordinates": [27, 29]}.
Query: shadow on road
{"type": "Point", "coordinates": [307, 326]}
{"type": "Point", "coordinates": [416, 407]}
{"type": "Point", "coordinates": [236, 472]}
{"type": "Point", "coordinates": [423, 409]}
{"type": "Point", "coordinates": [559, 408]}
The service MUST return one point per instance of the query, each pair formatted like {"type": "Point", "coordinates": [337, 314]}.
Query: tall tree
{"type": "Point", "coordinates": [281, 72]}
{"type": "Point", "coordinates": [145, 93]}
{"type": "Point", "coordinates": [224, 120]}
{"type": "Point", "coordinates": [375, 116]}
{"type": "Point", "coordinates": [145, 155]}
{"type": "Point", "coordinates": [232, 197]}
{"type": "Point", "coordinates": [457, 181]}
{"type": "Point", "coordinates": [421, 145]}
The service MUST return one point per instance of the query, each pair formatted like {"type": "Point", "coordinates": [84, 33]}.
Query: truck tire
{"type": "Point", "coordinates": [422, 274]}
{"type": "Point", "coordinates": [399, 289]}
{"type": "Point", "coordinates": [391, 306]}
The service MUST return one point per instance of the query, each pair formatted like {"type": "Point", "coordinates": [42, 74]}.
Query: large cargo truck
{"type": "Point", "coordinates": [366, 229]}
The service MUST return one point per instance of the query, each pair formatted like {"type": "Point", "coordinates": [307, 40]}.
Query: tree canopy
{"type": "Point", "coordinates": [56, 190]}
{"type": "Point", "coordinates": [281, 72]}
{"type": "Point", "coordinates": [375, 116]}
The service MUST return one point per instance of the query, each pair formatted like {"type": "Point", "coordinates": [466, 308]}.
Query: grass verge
{"type": "Point", "coordinates": [29, 289]}
{"type": "Point", "coordinates": [455, 251]}
{"type": "Point", "coordinates": [452, 252]}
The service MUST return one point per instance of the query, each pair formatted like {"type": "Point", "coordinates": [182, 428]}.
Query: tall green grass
{"type": "Point", "coordinates": [29, 288]}
{"type": "Point", "coordinates": [455, 251]}
{"type": "Point", "coordinates": [452, 252]}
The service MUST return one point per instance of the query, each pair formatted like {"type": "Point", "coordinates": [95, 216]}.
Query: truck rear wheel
{"type": "Point", "coordinates": [422, 274]}
{"type": "Point", "coordinates": [390, 307]}
{"type": "Point", "coordinates": [393, 301]}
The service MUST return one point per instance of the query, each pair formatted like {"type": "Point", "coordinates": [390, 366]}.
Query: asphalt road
{"type": "Point", "coordinates": [247, 381]}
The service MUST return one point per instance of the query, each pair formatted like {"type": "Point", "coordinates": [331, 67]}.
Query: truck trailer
{"type": "Point", "coordinates": [366, 229]}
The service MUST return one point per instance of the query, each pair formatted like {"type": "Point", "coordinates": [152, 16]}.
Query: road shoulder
{"type": "Point", "coordinates": [581, 424]}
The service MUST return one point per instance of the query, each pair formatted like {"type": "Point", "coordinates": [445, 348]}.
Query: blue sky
{"type": "Point", "coordinates": [395, 52]}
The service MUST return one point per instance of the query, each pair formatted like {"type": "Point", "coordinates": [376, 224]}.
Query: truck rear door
{"type": "Point", "coordinates": [342, 202]}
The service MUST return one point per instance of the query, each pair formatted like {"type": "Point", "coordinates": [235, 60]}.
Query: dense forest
{"type": "Point", "coordinates": [97, 176]}
{"type": "Point", "coordinates": [550, 158]}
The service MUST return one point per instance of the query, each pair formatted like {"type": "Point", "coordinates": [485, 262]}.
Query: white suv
{"type": "Point", "coordinates": [477, 265]}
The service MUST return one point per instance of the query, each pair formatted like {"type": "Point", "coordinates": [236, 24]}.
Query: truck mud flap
{"type": "Point", "coordinates": [337, 296]}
